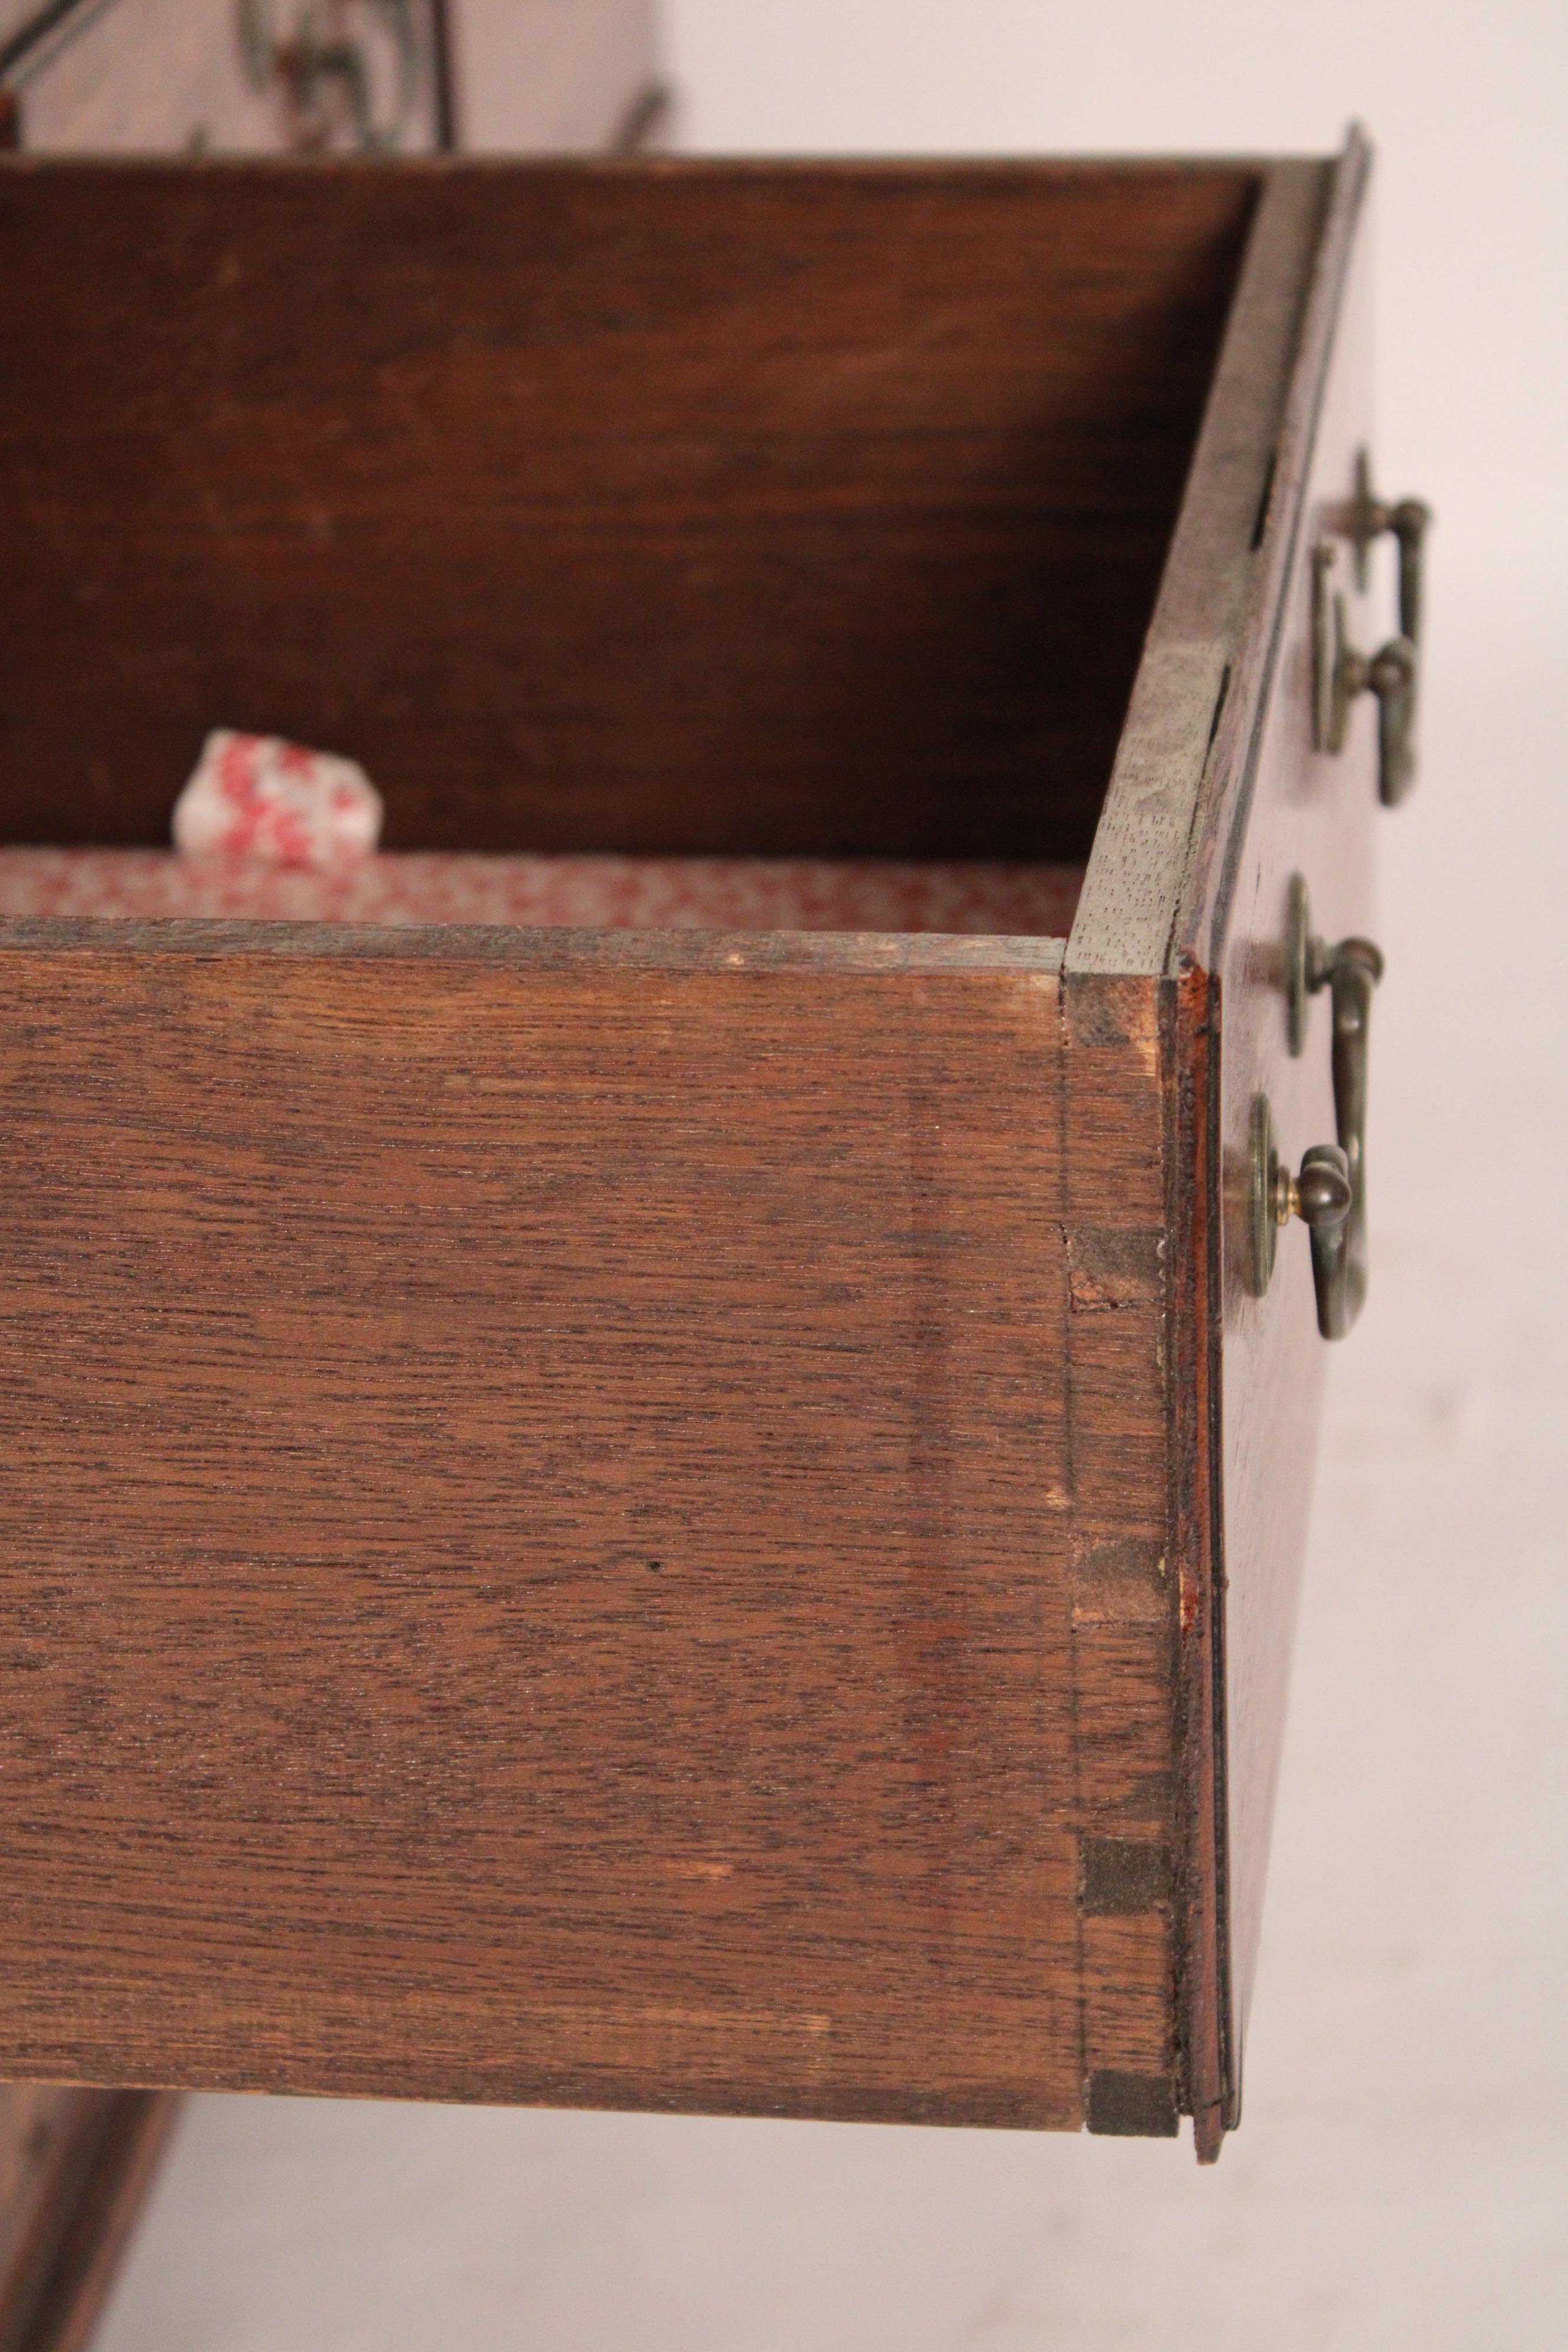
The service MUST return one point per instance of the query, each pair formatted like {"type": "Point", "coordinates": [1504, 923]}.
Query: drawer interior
{"type": "Point", "coordinates": [660, 511]}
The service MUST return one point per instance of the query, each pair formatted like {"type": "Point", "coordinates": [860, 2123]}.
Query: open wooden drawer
{"type": "Point", "coordinates": [651, 1516]}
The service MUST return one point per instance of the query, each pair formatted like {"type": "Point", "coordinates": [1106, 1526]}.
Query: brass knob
{"type": "Point", "coordinates": [1321, 1195]}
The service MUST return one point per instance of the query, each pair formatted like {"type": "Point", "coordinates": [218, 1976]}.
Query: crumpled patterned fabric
{"type": "Point", "coordinates": [258, 797]}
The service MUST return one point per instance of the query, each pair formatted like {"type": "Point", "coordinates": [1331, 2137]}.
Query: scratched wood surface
{"type": "Point", "coordinates": [654, 506]}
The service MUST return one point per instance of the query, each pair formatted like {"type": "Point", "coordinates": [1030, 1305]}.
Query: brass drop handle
{"type": "Point", "coordinates": [1408, 519]}
{"type": "Point", "coordinates": [1340, 672]}
{"type": "Point", "coordinates": [1321, 1195]}
{"type": "Point", "coordinates": [1325, 1198]}
{"type": "Point", "coordinates": [1330, 1192]}
{"type": "Point", "coordinates": [1391, 675]}
{"type": "Point", "coordinates": [1355, 969]}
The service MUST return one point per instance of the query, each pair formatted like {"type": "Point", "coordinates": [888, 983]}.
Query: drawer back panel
{"type": "Point", "coordinates": [655, 508]}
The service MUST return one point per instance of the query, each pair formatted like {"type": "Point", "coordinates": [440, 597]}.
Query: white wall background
{"type": "Point", "coordinates": [1401, 2178]}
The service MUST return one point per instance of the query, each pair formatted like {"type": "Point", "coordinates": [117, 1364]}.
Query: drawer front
{"type": "Point", "coordinates": [1293, 865]}
{"type": "Point", "coordinates": [1316, 816]}
{"type": "Point", "coordinates": [1217, 799]}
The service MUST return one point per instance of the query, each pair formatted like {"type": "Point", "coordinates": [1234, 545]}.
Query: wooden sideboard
{"type": "Point", "coordinates": [676, 1519]}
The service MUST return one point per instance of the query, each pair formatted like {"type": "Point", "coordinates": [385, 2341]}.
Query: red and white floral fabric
{"type": "Point", "coordinates": [741, 894]}
{"type": "Point", "coordinates": [256, 796]}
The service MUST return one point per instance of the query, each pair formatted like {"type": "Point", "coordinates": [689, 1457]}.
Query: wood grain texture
{"type": "Point", "coordinates": [74, 2167]}
{"type": "Point", "coordinates": [534, 1556]}
{"type": "Point", "coordinates": [678, 506]}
